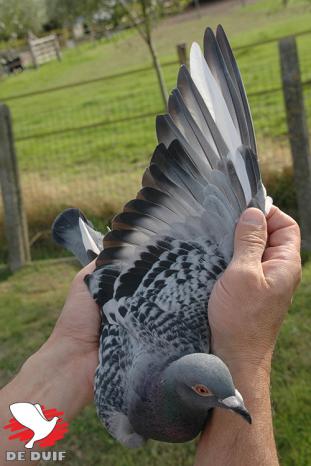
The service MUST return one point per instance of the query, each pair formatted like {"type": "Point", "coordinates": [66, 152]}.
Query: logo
{"type": "Point", "coordinates": [33, 424]}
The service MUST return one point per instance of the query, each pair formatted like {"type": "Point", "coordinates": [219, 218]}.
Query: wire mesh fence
{"type": "Point", "coordinates": [87, 144]}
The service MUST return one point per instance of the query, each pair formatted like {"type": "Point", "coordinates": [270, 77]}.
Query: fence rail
{"type": "Point", "coordinates": [272, 40]}
{"type": "Point", "coordinates": [48, 90]}
{"type": "Point", "coordinates": [90, 126]}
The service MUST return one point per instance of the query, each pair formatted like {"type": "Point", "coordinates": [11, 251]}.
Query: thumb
{"type": "Point", "coordinates": [250, 236]}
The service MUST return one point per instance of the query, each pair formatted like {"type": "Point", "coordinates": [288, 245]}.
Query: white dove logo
{"type": "Point", "coordinates": [31, 416]}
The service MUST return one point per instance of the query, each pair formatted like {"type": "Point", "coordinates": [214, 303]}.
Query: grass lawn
{"type": "Point", "coordinates": [30, 302]}
{"type": "Point", "coordinates": [88, 145]}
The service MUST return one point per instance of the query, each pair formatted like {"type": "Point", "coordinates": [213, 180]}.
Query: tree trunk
{"type": "Point", "coordinates": [158, 71]}
{"type": "Point", "coordinates": [146, 35]}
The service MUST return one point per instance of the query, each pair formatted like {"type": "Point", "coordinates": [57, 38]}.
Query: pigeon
{"type": "Point", "coordinates": [31, 416]}
{"type": "Point", "coordinates": [155, 270]}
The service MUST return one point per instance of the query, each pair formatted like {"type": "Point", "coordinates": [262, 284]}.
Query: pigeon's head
{"type": "Point", "coordinates": [202, 381]}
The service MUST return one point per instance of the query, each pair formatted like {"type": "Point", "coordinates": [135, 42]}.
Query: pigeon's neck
{"type": "Point", "coordinates": [156, 411]}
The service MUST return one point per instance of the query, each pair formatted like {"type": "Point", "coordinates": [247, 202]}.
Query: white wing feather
{"type": "Point", "coordinates": [213, 98]}
{"type": "Point", "coordinates": [87, 239]}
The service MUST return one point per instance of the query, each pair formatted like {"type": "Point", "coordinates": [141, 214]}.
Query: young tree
{"type": "Point", "coordinates": [142, 14]}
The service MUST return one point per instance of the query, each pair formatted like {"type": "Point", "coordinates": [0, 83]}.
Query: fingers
{"type": "Point", "coordinates": [250, 237]}
{"type": "Point", "coordinates": [80, 317]}
{"type": "Point", "coordinates": [277, 219]}
{"type": "Point", "coordinates": [282, 230]}
{"type": "Point", "coordinates": [282, 257]}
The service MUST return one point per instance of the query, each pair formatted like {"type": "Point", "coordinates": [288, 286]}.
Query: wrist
{"type": "Point", "coordinates": [55, 377]}
{"type": "Point", "coordinates": [252, 382]}
{"type": "Point", "coordinates": [250, 373]}
{"type": "Point", "coordinates": [246, 366]}
{"type": "Point", "coordinates": [244, 360]}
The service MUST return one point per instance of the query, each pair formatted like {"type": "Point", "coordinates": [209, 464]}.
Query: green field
{"type": "Point", "coordinates": [88, 145]}
{"type": "Point", "coordinates": [30, 302]}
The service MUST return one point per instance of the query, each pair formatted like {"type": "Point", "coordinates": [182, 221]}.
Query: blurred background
{"type": "Point", "coordinates": [81, 82]}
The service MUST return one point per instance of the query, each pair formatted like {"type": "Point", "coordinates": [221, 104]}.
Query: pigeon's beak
{"type": "Point", "coordinates": [236, 404]}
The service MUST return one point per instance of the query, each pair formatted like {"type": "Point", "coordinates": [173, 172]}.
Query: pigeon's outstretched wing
{"type": "Point", "coordinates": [168, 246]}
{"type": "Point", "coordinates": [202, 175]}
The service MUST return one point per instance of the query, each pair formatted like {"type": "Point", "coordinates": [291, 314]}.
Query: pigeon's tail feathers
{"type": "Point", "coordinates": [73, 231]}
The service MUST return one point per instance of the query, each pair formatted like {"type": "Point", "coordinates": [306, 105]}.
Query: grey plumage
{"type": "Point", "coordinates": [156, 377]}
{"type": "Point", "coordinates": [73, 231]}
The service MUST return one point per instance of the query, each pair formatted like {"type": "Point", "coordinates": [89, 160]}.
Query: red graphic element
{"type": "Point", "coordinates": [26, 434]}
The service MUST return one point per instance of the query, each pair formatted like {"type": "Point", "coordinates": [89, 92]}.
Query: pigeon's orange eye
{"type": "Point", "coordinates": [202, 390]}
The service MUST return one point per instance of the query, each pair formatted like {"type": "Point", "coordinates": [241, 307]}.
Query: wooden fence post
{"type": "Point", "coordinates": [298, 133]}
{"type": "Point", "coordinates": [182, 53]}
{"type": "Point", "coordinates": [14, 214]}
{"type": "Point", "coordinates": [57, 48]}
{"type": "Point", "coordinates": [32, 51]}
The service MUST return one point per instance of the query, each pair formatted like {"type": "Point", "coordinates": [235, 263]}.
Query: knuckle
{"type": "Point", "coordinates": [295, 227]}
{"type": "Point", "coordinates": [282, 290]}
{"type": "Point", "coordinates": [253, 241]}
{"type": "Point", "coordinates": [251, 275]}
{"type": "Point", "coordinates": [246, 274]}
{"type": "Point", "coordinates": [296, 233]}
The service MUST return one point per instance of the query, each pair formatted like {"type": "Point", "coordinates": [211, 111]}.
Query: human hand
{"type": "Point", "coordinates": [246, 309]}
{"type": "Point", "coordinates": [60, 374]}
{"type": "Point", "coordinates": [250, 300]}
{"type": "Point", "coordinates": [71, 352]}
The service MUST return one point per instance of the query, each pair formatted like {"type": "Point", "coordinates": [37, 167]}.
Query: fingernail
{"type": "Point", "coordinates": [252, 217]}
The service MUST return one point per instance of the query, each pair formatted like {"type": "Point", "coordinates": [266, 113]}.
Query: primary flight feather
{"type": "Point", "coordinates": [156, 268]}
